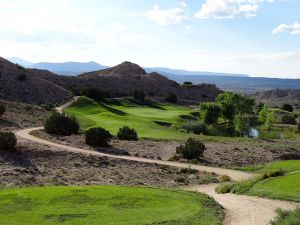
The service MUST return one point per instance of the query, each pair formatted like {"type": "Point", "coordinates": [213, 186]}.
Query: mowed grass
{"type": "Point", "coordinates": [106, 205]}
{"type": "Point", "coordinates": [285, 187]}
{"type": "Point", "coordinates": [151, 120]}
{"type": "Point", "coordinates": [286, 165]}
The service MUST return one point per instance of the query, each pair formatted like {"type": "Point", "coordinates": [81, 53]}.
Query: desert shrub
{"type": "Point", "coordinates": [225, 178]}
{"type": "Point", "coordinates": [61, 124]}
{"type": "Point", "coordinates": [2, 110]}
{"type": "Point", "coordinates": [288, 119]}
{"type": "Point", "coordinates": [244, 186]}
{"type": "Point", "coordinates": [187, 170]}
{"type": "Point", "coordinates": [191, 149]}
{"type": "Point", "coordinates": [93, 93]}
{"type": "Point", "coordinates": [172, 98]}
{"type": "Point", "coordinates": [195, 127]}
{"type": "Point", "coordinates": [47, 106]}
{"type": "Point", "coordinates": [127, 133]}
{"type": "Point", "coordinates": [188, 83]}
{"type": "Point", "coordinates": [139, 95]}
{"type": "Point", "coordinates": [287, 107]}
{"type": "Point", "coordinates": [274, 173]}
{"type": "Point", "coordinates": [97, 137]}
{"type": "Point", "coordinates": [223, 188]}
{"type": "Point", "coordinates": [22, 77]}
{"type": "Point", "coordinates": [8, 141]}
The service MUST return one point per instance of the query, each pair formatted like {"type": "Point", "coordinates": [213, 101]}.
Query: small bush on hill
{"type": "Point", "coordinates": [287, 107]}
{"type": "Point", "coordinates": [61, 124]}
{"type": "Point", "coordinates": [172, 98]}
{"type": "Point", "coordinates": [93, 93]}
{"type": "Point", "coordinates": [97, 137]}
{"type": "Point", "coordinates": [2, 110]}
{"type": "Point", "coordinates": [188, 83]}
{"type": "Point", "coordinates": [224, 188]}
{"type": "Point", "coordinates": [274, 173]}
{"type": "Point", "coordinates": [127, 133]}
{"type": "Point", "coordinates": [288, 119]}
{"type": "Point", "coordinates": [47, 106]}
{"type": "Point", "coordinates": [8, 141]}
{"type": "Point", "coordinates": [192, 149]}
{"type": "Point", "coordinates": [225, 178]}
{"type": "Point", "coordinates": [139, 95]}
{"type": "Point", "coordinates": [22, 77]}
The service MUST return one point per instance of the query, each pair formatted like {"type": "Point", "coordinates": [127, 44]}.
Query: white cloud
{"type": "Point", "coordinates": [283, 28]}
{"type": "Point", "coordinates": [188, 29]}
{"type": "Point", "coordinates": [226, 9]}
{"type": "Point", "coordinates": [183, 4]}
{"type": "Point", "coordinates": [277, 64]}
{"type": "Point", "coordinates": [166, 17]}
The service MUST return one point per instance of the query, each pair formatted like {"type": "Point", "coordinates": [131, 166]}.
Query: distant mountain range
{"type": "Point", "coordinates": [229, 82]}
{"type": "Point", "coordinates": [76, 68]}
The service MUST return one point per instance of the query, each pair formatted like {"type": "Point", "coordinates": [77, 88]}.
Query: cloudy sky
{"type": "Point", "coordinates": [256, 37]}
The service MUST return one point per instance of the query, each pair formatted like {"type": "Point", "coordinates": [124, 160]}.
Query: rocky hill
{"type": "Point", "coordinates": [121, 80]}
{"type": "Point", "coordinates": [278, 97]}
{"type": "Point", "coordinates": [20, 84]}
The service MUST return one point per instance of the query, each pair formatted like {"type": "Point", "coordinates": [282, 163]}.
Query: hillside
{"type": "Point", "coordinates": [43, 86]}
{"type": "Point", "coordinates": [278, 97]}
{"type": "Point", "coordinates": [20, 84]}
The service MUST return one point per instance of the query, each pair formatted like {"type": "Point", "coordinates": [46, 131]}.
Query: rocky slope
{"type": "Point", "coordinates": [19, 84]}
{"type": "Point", "coordinates": [278, 97]}
{"type": "Point", "coordinates": [121, 80]}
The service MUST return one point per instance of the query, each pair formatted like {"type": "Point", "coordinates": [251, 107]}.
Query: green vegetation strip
{"type": "Point", "coordinates": [106, 205]}
{"type": "Point", "coordinates": [150, 119]}
{"type": "Point", "coordinates": [285, 187]}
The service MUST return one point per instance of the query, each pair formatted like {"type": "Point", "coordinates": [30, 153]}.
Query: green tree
{"type": "Point", "coordinates": [242, 124]}
{"type": "Point", "coordinates": [210, 112]}
{"type": "Point", "coordinates": [232, 104]}
{"type": "Point", "coordinates": [263, 114]}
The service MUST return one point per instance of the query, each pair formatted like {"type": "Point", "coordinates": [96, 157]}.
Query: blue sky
{"type": "Point", "coordinates": [255, 37]}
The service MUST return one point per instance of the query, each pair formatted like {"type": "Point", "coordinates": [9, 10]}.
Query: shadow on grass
{"type": "Point", "coordinates": [147, 102]}
{"type": "Point", "coordinates": [112, 110]}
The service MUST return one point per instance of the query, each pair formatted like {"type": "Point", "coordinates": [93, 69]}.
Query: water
{"type": "Point", "coordinates": [254, 133]}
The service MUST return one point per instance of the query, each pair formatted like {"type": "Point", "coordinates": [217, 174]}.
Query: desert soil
{"type": "Point", "coordinates": [38, 164]}
{"type": "Point", "coordinates": [216, 154]}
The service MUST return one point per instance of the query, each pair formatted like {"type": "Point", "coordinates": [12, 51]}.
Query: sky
{"type": "Point", "coordinates": [254, 37]}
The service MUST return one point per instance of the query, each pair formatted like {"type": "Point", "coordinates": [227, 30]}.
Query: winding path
{"type": "Point", "coordinates": [239, 209]}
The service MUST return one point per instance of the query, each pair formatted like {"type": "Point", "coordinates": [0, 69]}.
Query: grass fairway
{"type": "Point", "coordinates": [106, 205]}
{"type": "Point", "coordinates": [152, 120]}
{"type": "Point", "coordinates": [285, 187]}
{"type": "Point", "coordinates": [287, 165]}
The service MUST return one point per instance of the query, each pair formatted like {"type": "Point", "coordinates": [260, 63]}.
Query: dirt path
{"type": "Point", "coordinates": [60, 109]}
{"type": "Point", "coordinates": [239, 209]}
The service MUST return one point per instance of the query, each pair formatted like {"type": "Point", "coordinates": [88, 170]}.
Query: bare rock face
{"type": "Point", "coordinates": [121, 80]}
{"type": "Point", "coordinates": [278, 97]}
{"type": "Point", "coordinates": [19, 84]}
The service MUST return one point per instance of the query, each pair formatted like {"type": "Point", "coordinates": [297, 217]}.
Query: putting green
{"type": "Point", "coordinates": [106, 205]}
{"type": "Point", "coordinates": [151, 120]}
